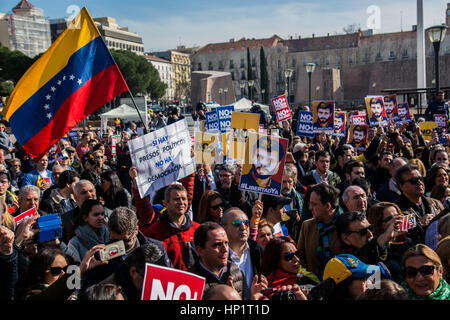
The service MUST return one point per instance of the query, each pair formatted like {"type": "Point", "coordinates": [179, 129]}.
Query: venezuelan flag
{"type": "Point", "coordinates": [73, 78]}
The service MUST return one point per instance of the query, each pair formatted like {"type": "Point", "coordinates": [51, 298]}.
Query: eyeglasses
{"type": "Point", "coordinates": [415, 180]}
{"type": "Point", "coordinates": [425, 271]}
{"type": "Point", "coordinates": [217, 206]}
{"type": "Point", "coordinates": [363, 231]}
{"type": "Point", "coordinates": [16, 165]}
{"type": "Point", "coordinates": [56, 271]}
{"type": "Point", "coordinates": [99, 157]}
{"type": "Point", "coordinates": [288, 256]}
{"type": "Point", "coordinates": [237, 223]}
{"type": "Point", "coordinates": [225, 175]}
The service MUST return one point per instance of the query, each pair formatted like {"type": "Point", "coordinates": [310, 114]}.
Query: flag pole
{"type": "Point", "coordinates": [139, 114]}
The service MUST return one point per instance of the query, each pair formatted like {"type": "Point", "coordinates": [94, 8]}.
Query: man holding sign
{"type": "Point", "coordinates": [413, 201]}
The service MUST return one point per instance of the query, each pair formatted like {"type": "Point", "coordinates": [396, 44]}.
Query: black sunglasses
{"type": "Point", "coordinates": [56, 271]}
{"type": "Point", "coordinates": [426, 270]}
{"type": "Point", "coordinates": [415, 180]}
{"type": "Point", "coordinates": [217, 206]}
{"type": "Point", "coordinates": [288, 256]}
{"type": "Point", "coordinates": [363, 231]}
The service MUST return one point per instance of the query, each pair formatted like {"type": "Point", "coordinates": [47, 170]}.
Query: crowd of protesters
{"type": "Point", "coordinates": [338, 218]}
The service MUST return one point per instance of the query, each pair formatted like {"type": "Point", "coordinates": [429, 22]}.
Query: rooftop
{"type": "Point", "coordinates": [240, 44]}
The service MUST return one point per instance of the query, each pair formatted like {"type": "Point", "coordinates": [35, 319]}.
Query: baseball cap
{"type": "Point", "coordinates": [344, 266]}
{"type": "Point", "coordinates": [273, 201]}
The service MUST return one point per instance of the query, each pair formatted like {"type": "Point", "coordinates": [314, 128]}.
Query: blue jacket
{"type": "Point", "coordinates": [33, 176]}
{"type": "Point", "coordinates": [437, 108]}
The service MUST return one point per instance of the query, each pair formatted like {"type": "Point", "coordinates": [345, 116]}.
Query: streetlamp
{"type": "Point", "coordinates": [225, 90]}
{"type": "Point", "coordinates": [220, 95]}
{"type": "Point", "coordinates": [250, 88]}
{"type": "Point", "coordinates": [436, 35]}
{"type": "Point", "coordinates": [310, 69]}
{"type": "Point", "coordinates": [242, 86]}
{"type": "Point", "coordinates": [287, 75]}
{"type": "Point", "coordinates": [262, 94]}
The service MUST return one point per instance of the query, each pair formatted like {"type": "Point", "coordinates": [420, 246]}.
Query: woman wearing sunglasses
{"type": "Point", "coordinates": [281, 263]}
{"type": "Point", "coordinates": [90, 230]}
{"type": "Point", "coordinates": [380, 216]}
{"type": "Point", "coordinates": [46, 277]}
{"type": "Point", "coordinates": [211, 207]}
{"type": "Point", "coordinates": [423, 274]}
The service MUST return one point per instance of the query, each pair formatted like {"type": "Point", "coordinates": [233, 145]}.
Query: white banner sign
{"type": "Point", "coordinates": [162, 157]}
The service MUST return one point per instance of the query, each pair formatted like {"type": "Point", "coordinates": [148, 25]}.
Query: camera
{"type": "Point", "coordinates": [49, 228]}
{"type": "Point", "coordinates": [275, 295]}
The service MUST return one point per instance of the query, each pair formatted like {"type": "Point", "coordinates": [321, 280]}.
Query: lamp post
{"type": "Point", "coordinates": [250, 87]}
{"type": "Point", "coordinates": [225, 90]}
{"type": "Point", "coordinates": [310, 69]}
{"type": "Point", "coordinates": [263, 97]}
{"type": "Point", "coordinates": [242, 86]}
{"type": "Point", "coordinates": [436, 35]}
{"type": "Point", "coordinates": [287, 75]}
{"type": "Point", "coordinates": [220, 95]}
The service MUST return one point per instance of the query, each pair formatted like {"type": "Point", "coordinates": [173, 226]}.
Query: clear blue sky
{"type": "Point", "coordinates": [166, 24]}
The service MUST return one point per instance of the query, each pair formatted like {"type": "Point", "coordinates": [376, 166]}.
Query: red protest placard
{"type": "Point", "coordinates": [162, 283]}
{"type": "Point", "coordinates": [281, 106]}
{"type": "Point", "coordinates": [27, 214]}
{"type": "Point", "coordinates": [441, 120]}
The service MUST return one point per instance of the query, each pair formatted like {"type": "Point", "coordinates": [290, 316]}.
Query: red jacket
{"type": "Point", "coordinates": [178, 241]}
{"type": "Point", "coordinates": [144, 209]}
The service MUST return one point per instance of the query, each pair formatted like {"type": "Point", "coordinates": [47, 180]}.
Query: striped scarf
{"type": "Point", "coordinates": [325, 230]}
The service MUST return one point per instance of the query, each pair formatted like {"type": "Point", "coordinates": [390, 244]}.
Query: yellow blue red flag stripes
{"type": "Point", "coordinates": [73, 78]}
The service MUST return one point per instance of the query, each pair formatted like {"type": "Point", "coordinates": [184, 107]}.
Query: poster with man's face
{"type": "Point", "coordinates": [390, 106]}
{"type": "Point", "coordinates": [358, 136]}
{"type": "Point", "coordinates": [339, 124]}
{"type": "Point", "coordinates": [323, 116]}
{"type": "Point", "coordinates": [403, 113]}
{"type": "Point", "coordinates": [376, 111]}
{"type": "Point", "coordinates": [267, 156]}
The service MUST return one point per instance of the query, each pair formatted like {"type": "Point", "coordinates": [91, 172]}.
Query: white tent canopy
{"type": "Point", "coordinates": [124, 112]}
{"type": "Point", "coordinates": [244, 105]}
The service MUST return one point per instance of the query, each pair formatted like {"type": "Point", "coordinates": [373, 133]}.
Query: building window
{"type": "Point", "coordinates": [210, 66]}
{"type": "Point", "coordinates": [405, 54]}
{"type": "Point", "coordinates": [200, 66]}
{"type": "Point", "coordinates": [294, 63]}
{"type": "Point", "coordinates": [392, 55]}
{"type": "Point", "coordinates": [279, 64]}
{"type": "Point", "coordinates": [231, 64]}
{"type": "Point", "coordinates": [220, 65]}
{"type": "Point", "coordinates": [253, 62]}
{"type": "Point", "coordinates": [338, 59]}
{"type": "Point", "coordinates": [350, 59]}
{"type": "Point", "coordinates": [242, 63]}
{"type": "Point", "coordinates": [305, 61]}
{"type": "Point", "coordinates": [242, 75]}
{"type": "Point", "coordinates": [327, 60]}
{"type": "Point", "coordinates": [232, 75]}
{"type": "Point", "coordinates": [378, 56]}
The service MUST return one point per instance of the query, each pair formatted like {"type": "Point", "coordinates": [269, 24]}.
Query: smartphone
{"type": "Point", "coordinates": [111, 251]}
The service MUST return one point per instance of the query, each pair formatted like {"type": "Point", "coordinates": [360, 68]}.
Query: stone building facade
{"type": "Point", "coordinates": [28, 29]}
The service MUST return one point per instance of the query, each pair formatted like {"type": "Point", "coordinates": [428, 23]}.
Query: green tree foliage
{"type": "Point", "coordinates": [251, 90]}
{"type": "Point", "coordinates": [140, 75]}
{"type": "Point", "coordinates": [264, 75]}
{"type": "Point", "coordinates": [13, 64]}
